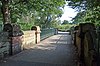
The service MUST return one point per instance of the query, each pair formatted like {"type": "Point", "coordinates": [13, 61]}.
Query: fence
{"type": "Point", "coordinates": [47, 33]}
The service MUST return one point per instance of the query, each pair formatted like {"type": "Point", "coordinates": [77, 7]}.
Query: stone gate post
{"type": "Point", "coordinates": [37, 33]}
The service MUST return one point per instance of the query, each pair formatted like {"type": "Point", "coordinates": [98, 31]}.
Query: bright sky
{"type": "Point", "coordinates": [69, 13]}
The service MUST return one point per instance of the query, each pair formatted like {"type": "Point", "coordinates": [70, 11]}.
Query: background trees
{"type": "Point", "coordinates": [65, 22]}
{"type": "Point", "coordinates": [65, 26]}
{"type": "Point", "coordinates": [36, 12]}
{"type": "Point", "coordinates": [46, 13]}
{"type": "Point", "coordinates": [89, 10]}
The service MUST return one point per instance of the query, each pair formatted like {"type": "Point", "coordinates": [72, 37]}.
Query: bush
{"type": "Point", "coordinates": [25, 26]}
{"type": "Point", "coordinates": [64, 27]}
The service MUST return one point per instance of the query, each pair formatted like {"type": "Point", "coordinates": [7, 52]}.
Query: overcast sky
{"type": "Point", "coordinates": [69, 13]}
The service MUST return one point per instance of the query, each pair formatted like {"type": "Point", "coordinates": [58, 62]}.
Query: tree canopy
{"type": "Point", "coordinates": [65, 22]}
{"type": "Point", "coordinates": [41, 12]}
{"type": "Point", "coordinates": [89, 10]}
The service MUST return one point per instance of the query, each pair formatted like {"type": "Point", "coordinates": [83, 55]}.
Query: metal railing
{"type": "Point", "coordinates": [47, 33]}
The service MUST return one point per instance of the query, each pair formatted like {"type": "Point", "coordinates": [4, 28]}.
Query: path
{"type": "Point", "coordinates": [54, 51]}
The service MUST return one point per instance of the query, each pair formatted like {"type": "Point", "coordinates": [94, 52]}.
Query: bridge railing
{"type": "Point", "coordinates": [47, 33]}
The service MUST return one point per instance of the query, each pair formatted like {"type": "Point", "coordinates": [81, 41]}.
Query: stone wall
{"type": "Point", "coordinates": [13, 44]}
{"type": "Point", "coordinates": [29, 39]}
{"type": "Point", "coordinates": [85, 42]}
{"type": "Point", "coordinates": [16, 43]}
{"type": "Point", "coordinates": [4, 44]}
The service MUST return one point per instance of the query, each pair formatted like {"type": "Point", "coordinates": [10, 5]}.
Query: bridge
{"type": "Point", "coordinates": [45, 47]}
{"type": "Point", "coordinates": [79, 47]}
{"type": "Point", "coordinates": [57, 50]}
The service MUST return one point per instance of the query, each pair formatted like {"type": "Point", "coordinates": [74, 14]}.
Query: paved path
{"type": "Point", "coordinates": [54, 51]}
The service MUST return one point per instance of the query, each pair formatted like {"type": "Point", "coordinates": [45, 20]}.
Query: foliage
{"type": "Point", "coordinates": [93, 15]}
{"type": "Point", "coordinates": [41, 8]}
{"type": "Point", "coordinates": [25, 26]}
{"type": "Point", "coordinates": [40, 12]}
{"type": "Point", "coordinates": [79, 18]}
{"type": "Point", "coordinates": [89, 11]}
{"type": "Point", "coordinates": [64, 27]}
{"type": "Point", "coordinates": [65, 22]}
{"type": "Point", "coordinates": [83, 4]}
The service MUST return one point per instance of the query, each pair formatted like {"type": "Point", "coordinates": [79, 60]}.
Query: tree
{"type": "Point", "coordinates": [88, 10]}
{"type": "Point", "coordinates": [5, 11]}
{"type": "Point", "coordinates": [83, 4]}
{"type": "Point", "coordinates": [65, 22]}
{"type": "Point", "coordinates": [43, 9]}
{"type": "Point", "coordinates": [79, 18]}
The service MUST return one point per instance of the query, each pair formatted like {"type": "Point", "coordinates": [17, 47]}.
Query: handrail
{"type": "Point", "coordinates": [47, 33]}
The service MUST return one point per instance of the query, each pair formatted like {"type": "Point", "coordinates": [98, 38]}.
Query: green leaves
{"type": "Point", "coordinates": [36, 12]}
{"type": "Point", "coordinates": [65, 22]}
{"type": "Point", "coordinates": [89, 11]}
{"type": "Point", "coordinates": [41, 6]}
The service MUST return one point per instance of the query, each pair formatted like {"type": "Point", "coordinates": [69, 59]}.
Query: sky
{"type": "Point", "coordinates": [69, 13]}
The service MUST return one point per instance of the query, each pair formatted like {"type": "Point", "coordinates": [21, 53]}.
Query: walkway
{"type": "Point", "coordinates": [54, 51]}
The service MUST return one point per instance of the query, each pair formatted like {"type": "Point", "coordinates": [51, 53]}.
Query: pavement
{"type": "Point", "coordinates": [56, 50]}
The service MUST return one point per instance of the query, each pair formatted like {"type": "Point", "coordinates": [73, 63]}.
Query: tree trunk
{"type": "Point", "coordinates": [5, 11]}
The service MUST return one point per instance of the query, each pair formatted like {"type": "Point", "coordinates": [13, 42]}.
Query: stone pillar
{"type": "Point", "coordinates": [37, 33]}
{"type": "Point", "coordinates": [56, 31]}
{"type": "Point", "coordinates": [16, 44]}
{"type": "Point", "coordinates": [15, 37]}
